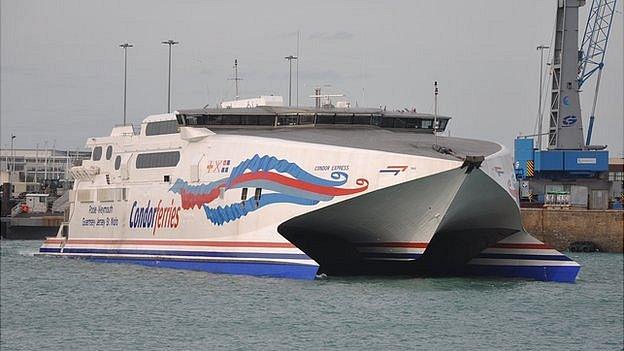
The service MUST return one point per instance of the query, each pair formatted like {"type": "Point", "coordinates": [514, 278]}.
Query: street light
{"type": "Point", "coordinates": [125, 47]}
{"type": "Point", "coordinates": [170, 43]}
{"type": "Point", "coordinates": [435, 111]}
{"type": "Point", "coordinates": [12, 168]}
{"type": "Point", "coordinates": [290, 58]}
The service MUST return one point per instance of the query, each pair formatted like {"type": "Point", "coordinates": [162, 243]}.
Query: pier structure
{"type": "Point", "coordinates": [33, 167]}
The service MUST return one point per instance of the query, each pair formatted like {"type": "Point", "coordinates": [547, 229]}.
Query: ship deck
{"type": "Point", "coordinates": [375, 138]}
{"type": "Point", "coordinates": [404, 132]}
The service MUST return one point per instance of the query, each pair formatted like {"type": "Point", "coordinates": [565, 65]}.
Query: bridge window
{"type": "Point", "coordinates": [442, 124]}
{"type": "Point", "coordinates": [158, 159]}
{"type": "Point", "coordinates": [161, 127]}
{"type": "Point", "coordinates": [362, 120]}
{"type": "Point", "coordinates": [109, 152]}
{"type": "Point", "coordinates": [287, 121]}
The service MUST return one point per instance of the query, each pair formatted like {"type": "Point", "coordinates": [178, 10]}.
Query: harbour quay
{"type": "Point", "coordinates": [560, 228]}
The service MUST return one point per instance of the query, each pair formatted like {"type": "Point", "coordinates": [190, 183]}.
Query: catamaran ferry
{"type": "Point", "coordinates": [296, 192]}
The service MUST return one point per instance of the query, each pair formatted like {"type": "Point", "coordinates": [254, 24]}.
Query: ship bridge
{"type": "Point", "coordinates": [280, 117]}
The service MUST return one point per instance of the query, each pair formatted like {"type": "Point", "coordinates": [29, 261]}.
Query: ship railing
{"type": "Point", "coordinates": [63, 231]}
{"type": "Point", "coordinates": [84, 172]}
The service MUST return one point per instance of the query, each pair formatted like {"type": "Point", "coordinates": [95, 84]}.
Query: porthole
{"type": "Point", "coordinates": [97, 153]}
{"type": "Point", "coordinates": [117, 162]}
{"type": "Point", "coordinates": [109, 152]}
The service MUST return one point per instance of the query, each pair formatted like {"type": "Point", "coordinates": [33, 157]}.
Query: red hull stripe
{"type": "Point", "coordinates": [395, 244]}
{"type": "Point", "coordinates": [172, 243]}
{"type": "Point", "coordinates": [420, 245]}
{"type": "Point", "coordinates": [424, 245]}
{"type": "Point", "coordinates": [521, 246]}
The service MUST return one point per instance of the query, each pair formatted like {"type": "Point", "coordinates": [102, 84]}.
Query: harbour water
{"type": "Point", "coordinates": [61, 304]}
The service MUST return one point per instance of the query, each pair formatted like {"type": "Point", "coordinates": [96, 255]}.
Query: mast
{"type": "Point", "coordinates": [435, 111]}
{"type": "Point", "coordinates": [236, 78]}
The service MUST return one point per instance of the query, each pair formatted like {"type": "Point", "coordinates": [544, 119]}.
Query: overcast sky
{"type": "Point", "coordinates": [62, 69]}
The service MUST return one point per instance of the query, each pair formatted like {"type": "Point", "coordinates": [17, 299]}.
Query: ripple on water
{"type": "Point", "coordinates": [52, 303]}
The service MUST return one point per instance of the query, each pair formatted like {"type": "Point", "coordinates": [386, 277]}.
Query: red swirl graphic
{"type": "Point", "coordinates": [190, 200]}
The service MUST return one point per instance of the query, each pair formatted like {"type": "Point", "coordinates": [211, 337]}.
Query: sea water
{"type": "Point", "coordinates": [65, 304]}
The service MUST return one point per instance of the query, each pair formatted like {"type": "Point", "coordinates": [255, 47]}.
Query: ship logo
{"type": "Point", "coordinates": [568, 121]}
{"type": "Point", "coordinates": [566, 100]}
{"type": "Point", "coordinates": [284, 182]}
{"type": "Point", "coordinates": [393, 169]}
{"type": "Point", "coordinates": [218, 166]}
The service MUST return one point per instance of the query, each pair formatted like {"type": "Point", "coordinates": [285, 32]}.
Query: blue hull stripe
{"type": "Point", "coordinates": [260, 269]}
{"type": "Point", "coordinates": [525, 257]}
{"type": "Point", "coordinates": [373, 255]}
{"type": "Point", "coordinates": [565, 274]}
{"type": "Point", "coordinates": [254, 268]}
{"type": "Point", "coordinates": [260, 255]}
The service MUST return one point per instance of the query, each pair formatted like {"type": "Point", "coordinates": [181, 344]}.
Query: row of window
{"type": "Point", "coordinates": [40, 160]}
{"type": "Point", "coordinates": [161, 128]}
{"type": "Point", "coordinates": [157, 159]}
{"type": "Point", "coordinates": [147, 160]}
{"type": "Point", "coordinates": [121, 194]}
{"type": "Point", "coordinates": [103, 195]}
{"type": "Point", "coordinates": [97, 153]}
{"type": "Point", "coordinates": [257, 194]}
{"type": "Point", "coordinates": [153, 160]}
{"type": "Point", "coordinates": [210, 120]}
{"type": "Point", "coordinates": [616, 176]}
{"type": "Point", "coordinates": [270, 120]}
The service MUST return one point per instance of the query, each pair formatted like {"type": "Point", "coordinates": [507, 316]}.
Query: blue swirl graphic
{"type": "Point", "coordinates": [267, 163]}
{"type": "Point", "coordinates": [224, 214]}
{"type": "Point", "coordinates": [255, 164]}
{"type": "Point", "coordinates": [282, 193]}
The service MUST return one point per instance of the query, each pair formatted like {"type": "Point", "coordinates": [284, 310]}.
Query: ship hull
{"type": "Point", "coordinates": [266, 259]}
{"type": "Point", "coordinates": [522, 256]}
{"type": "Point", "coordinates": [293, 209]}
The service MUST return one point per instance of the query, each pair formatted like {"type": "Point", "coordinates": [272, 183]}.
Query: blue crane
{"type": "Point", "coordinates": [593, 49]}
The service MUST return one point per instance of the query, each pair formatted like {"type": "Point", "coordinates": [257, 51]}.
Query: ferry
{"type": "Point", "coordinates": [295, 192]}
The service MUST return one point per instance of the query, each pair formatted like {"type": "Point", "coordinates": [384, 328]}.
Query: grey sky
{"type": "Point", "coordinates": [62, 69]}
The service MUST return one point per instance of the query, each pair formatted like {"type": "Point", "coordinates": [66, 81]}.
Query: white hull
{"type": "Point", "coordinates": [349, 210]}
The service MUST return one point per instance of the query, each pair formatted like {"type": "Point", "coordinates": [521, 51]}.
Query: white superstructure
{"type": "Point", "coordinates": [264, 100]}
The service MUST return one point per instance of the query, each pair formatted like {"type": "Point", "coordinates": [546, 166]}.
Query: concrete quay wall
{"type": "Point", "coordinates": [560, 227]}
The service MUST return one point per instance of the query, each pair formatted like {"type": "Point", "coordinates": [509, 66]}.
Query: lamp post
{"type": "Point", "coordinates": [236, 78]}
{"type": "Point", "coordinates": [290, 58]}
{"type": "Point", "coordinates": [12, 168]}
{"type": "Point", "coordinates": [541, 48]}
{"type": "Point", "coordinates": [125, 47]}
{"type": "Point", "coordinates": [435, 111]}
{"type": "Point", "coordinates": [170, 43]}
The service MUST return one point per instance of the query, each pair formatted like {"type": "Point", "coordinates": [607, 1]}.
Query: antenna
{"type": "Point", "coordinates": [236, 78]}
{"type": "Point", "coordinates": [327, 97]}
{"type": "Point", "coordinates": [290, 58]}
{"type": "Point", "coordinates": [435, 111]}
{"type": "Point", "coordinates": [298, 56]}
